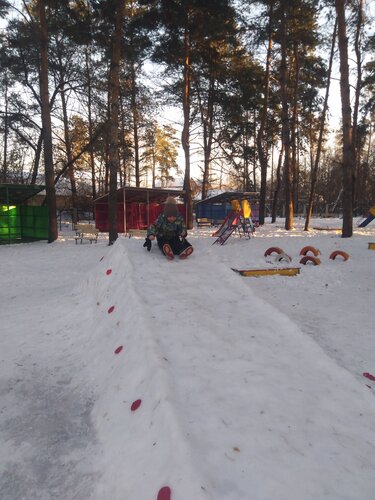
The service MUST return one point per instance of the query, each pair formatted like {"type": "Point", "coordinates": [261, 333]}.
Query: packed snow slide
{"type": "Point", "coordinates": [369, 218]}
{"type": "Point", "coordinates": [219, 408]}
{"type": "Point", "coordinates": [145, 447]}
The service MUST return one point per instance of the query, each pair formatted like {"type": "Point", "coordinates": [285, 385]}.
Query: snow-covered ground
{"type": "Point", "coordinates": [127, 377]}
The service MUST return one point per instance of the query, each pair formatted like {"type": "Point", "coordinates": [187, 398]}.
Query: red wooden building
{"type": "Point", "coordinates": [137, 208]}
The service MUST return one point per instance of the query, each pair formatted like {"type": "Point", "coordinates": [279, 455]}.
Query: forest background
{"type": "Point", "coordinates": [90, 92]}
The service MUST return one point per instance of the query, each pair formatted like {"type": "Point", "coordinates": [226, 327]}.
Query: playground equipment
{"type": "Point", "coordinates": [283, 257]}
{"type": "Point", "coordinates": [19, 220]}
{"type": "Point", "coordinates": [313, 250]}
{"type": "Point", "coordinates": [238, 219]}
{"type": "Point", "coordinates": [340, 253]}
{"type": "Point", "coordinates": [280, 256]}
{"type": "Point", "coordinates": [255, 273]}
{"type": "Point", "coordinates": [310, 258]}
{"type": "Point", "coordinates": [369, 218]}
{"type": "Point", "coordinates": [272, 250]}
{"type": "Point", "coordinates": [215, 208]}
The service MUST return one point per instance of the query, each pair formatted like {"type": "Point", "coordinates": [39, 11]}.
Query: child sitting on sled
{"type": "Point", "coordinates": [170, 232]}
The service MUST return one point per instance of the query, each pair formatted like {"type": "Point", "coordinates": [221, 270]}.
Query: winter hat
{"type": "Point", "coordinates": [170, 207]}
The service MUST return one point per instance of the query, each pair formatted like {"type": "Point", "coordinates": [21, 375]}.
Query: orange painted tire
{"type": "Point", "coordinates": [272, 250]}
{"type": "Point", "coordinates": [310, 258]}
{"type": "Point", "coordinates": [342, 254]}
{"type": "Point", "coordinates": [306, 250]}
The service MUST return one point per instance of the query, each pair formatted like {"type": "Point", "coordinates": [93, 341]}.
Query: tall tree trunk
{"type": "Point", "coordinates": [347, 129]}
{"type": "Point", "coordinates": [294, 131]}
{"type": "Point", "coordinates": [261, 139]}
{"type": "Point", "coordinates": [285, 133]}
{"type": "Point", "coordinates": [4, 174]}
{"type": "Point", "coordinates": [365, 171]}
{"type": "Point", "coordinates": [358, 87]}
{"type": "Point", "coordinates": [207, 118]}
{"type": "Point", "coordinates": [245, 147]}
{"type": "Point", "coordinates": [46, 124]}
{"type": "Point", "coordinates": [36, 161]}
{"type": "Point", "coordinates": [69, 157]}
{"type": "Point", "coordinates": [315, 168]}
{"type": "Point", "coordinates": [278, 184]}
{"type": "Point", "coordinates": [122, 145]}
{"type": "Point", "coordinates": [114, 97]}
{"type": "Point", "coordinates": [135, 117]}
{"type": "Point", "coordinates": [153, 173]}
{"type": "Point", "coordinates": [185, 136]}
{"type": "Point", "coordinates": [90, 122]}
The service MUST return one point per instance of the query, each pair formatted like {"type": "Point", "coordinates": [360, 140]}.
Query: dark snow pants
{"type": "Point", "coordinates": [177, 244]}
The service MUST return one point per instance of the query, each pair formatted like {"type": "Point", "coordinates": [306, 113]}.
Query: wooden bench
{"type": "Point", "coordinates": [86, 232]}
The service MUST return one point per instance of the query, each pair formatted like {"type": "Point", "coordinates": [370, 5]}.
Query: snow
{"type": "Point", "coordinates": [250, 388]}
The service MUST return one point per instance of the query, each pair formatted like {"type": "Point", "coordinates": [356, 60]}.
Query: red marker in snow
{"type": "Point", "coordinates": [136, 404]}
{"type": "Point", "coordinates": [119, 349]}
{"type": "Point", "coordinates": [164, 493]}
{"type": "Point", "coordinates": [369, 376]}
{"type": "Point", "coordinates": [108, 272]}
{"type": "Point", "coordinates": [111, 309]}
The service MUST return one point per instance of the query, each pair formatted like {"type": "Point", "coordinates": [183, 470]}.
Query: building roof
{"type": "Point", "coordinates": [228, 196]}
{"type": "Point", "coordinates": [15, 194]}
{"type": "Point", "coordinates": [142, 195]}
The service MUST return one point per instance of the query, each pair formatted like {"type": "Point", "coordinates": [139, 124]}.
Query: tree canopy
{"type": "Point", "coordinates": [208, 94]}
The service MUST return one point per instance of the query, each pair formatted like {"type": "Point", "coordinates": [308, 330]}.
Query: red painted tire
{"type": "Point", "coordinates": [310, 258]}
{"type": "Point", "coordinates": [306, 250]}
{"type": "Point", "coordinates": [342, 254]}
{"type": "Point", "coordinates": [272, 250]}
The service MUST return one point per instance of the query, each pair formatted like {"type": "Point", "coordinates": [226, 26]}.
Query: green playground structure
{"type": "Point", "coordinates": [20, 221]}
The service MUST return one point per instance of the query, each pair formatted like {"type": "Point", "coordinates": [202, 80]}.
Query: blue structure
{"type": "Point", "coordinates": [217, 208]}
{"type": "Point", "coordinates": [215, 213]}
